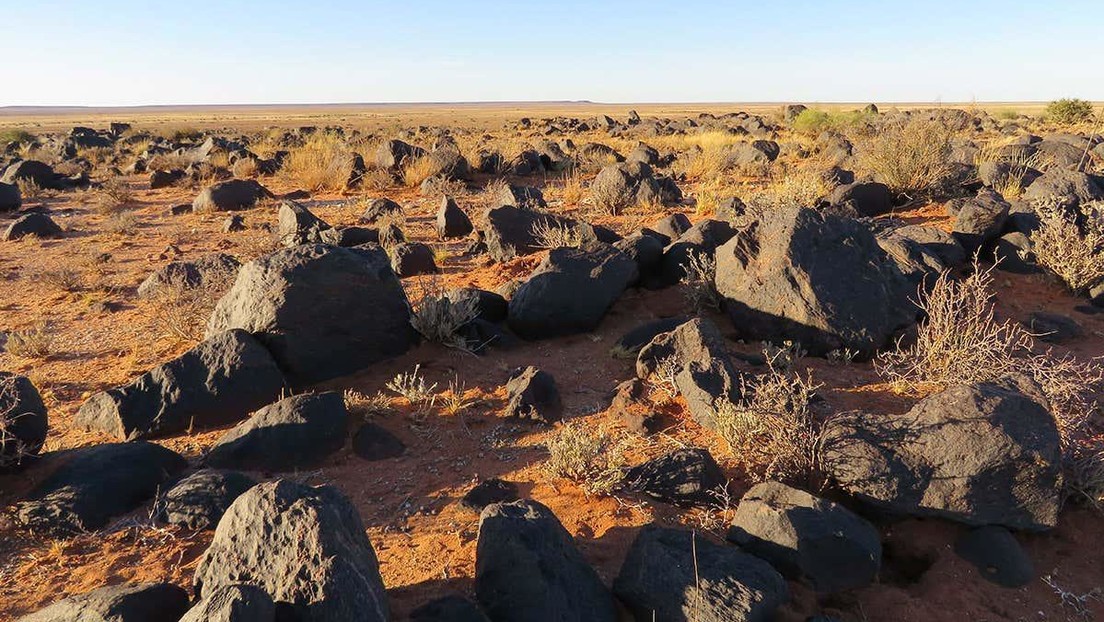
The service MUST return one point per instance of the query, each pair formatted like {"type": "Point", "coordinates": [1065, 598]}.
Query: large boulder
{"type": "Point", "coordinates": [979, 220]}
{"type": "Point", "coordinates": [219, 381]}
{"type": "Point", "coordinates": [23, 421]}
{"type": "Point", "coordinates": [818, 279]}
{"type": "Point", "coordinates": [206, 271]}
{"type": "Point", "coordinates": [695, 358]}
{"type": "Point", "coordinates": [322, 311]}
{"type": "Point", "coordinates": [805, 536]}
{"type": "Point", "coordinates": [33, 171]}
{"type": "Point", "coordinates": [452, 222]}
{"type": "Point", "coordinates": [621, 185]}
{"type": "Point", "coordinates": [148, 602]}
{"type": "Point", "coordinates": [295, 432]}
{"type": "Point", "coordinates": [392, 154]}
{"type": "Point", "coordinates": [231, 195]}
{"type": "Point", "coordinates": [297, 225]}
{"type": "Point", "coordinates": [509, 231]}
{"type": "Point", "coordinates": [527, 569]}
{"type": "Point", "coordinates": [36, 224]}
{"type": "Point", "coordinates": [570, 291]}
{"type": "Point", "coordinates": [97, 483]}
{"type": "Point", "coordinates": [305, 547]}
{"type": "Point", "coordinates": [234, 603]}
{"type": "Point", "coordinates": [984, 454]}
{"type": "Point", "coordinates": [532, 394]}
{"type": "Point", "coordinates": [674, 575]}
{"type": "Point", "coordinates": [10, 198]}
{"type": "Point", "coordinates": [1067, 189]}
{"type": "Point", "coordinates": [199, 500]}
{"type": "Point", "coordinates": [866, 198]}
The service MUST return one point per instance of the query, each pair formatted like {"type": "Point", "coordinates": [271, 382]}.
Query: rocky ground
{"type": "Point", "coordinates": [234, 436]}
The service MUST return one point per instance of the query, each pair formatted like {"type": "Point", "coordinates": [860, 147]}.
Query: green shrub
{"type": "Point", "coordinates": [1069, 110]}
{"type": "Point", "coordinates": [16, 136]}
{"type": "Point", "coordinates": [811, 121]}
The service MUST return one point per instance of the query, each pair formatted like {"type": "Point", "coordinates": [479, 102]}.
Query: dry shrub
{"type": "Point", "coordinates": [550, 234]}
{"type": "Point", "coordinates": [245, 168]}
{"type": "Point", "coordinates": [772, 430]}
{"type": "Point", "coordinates": [170, 161]}
{"type": "Point", "coordinates": [36, 342]}
{"type": "Point", "coordinates": [323, 162]}
{"type": "Point", "coordinates": [366, 406]}
{"type": "Point", "coordinates": [1074, 254]}
{"type": "Point", "coordinates": [376, 179]}
{"type": "Point", "coordinates": [1011, 185]}
{"type": "Point", "coordinates": [182, 307]}
{"type": "Point", "coordinates": [801, 187]}
{"type": "Point", "coordinates": [591, 458]}
{"type": "Point", "coordinates": [438, 318]}
{"type": "Point", "coordinates": [698, 288]}
{"type": "Point", "coordinates": [570, 189]}
{"type": "Point", "coordinates": [31, 191]}
{"type": "Point", "coordinates": [65, 279]}
{"type": "Point", "coordinates": [962, 342]}
{"type": "Point", "coordinates": [15, 450]}
{"type": "Point", "coordinates": [612, 199]}
{"type": "Point", "coordinates": [121, 223]}
{"type": "Point", "coordinates": [113, 195]}
{"type": "Point", "coordinates": [417, 170]}
{"type": "Point", "coordinates": [911, 157]}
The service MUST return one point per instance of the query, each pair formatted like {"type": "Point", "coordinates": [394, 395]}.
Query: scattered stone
{"type": "Point", "coordinates": [532, 394]}
{"type": "Point", "coordinates": [199, 500]}
{"type": "Point", "coordinates": [233, 224]}
{"type": "Point", "coordinates": [452, 222]}
{"type": "Point", "coordinates": [208, 270]}
{"type": "Point", "coordinates": [36, 223]}
{"type": "Point", "coordinates": [372, 442]}
{"type": "Point", "coordinates": [229, 196]}
{"type": "Point", "coordinates": [630, 344]}
{"type": "Point", "coordinates": [1053, 327]}
{"type": "Point", "coordinates": [489, 491]}
{"type": "Point", "coordinates": [684, 477]}
{"type": "Point", "coordinates": [491, 306]}
{"type": "Point", "coordinates": [448, 609]}
{"type": "Point", "coordinates": [997, 555]}
{"type": "Point", "coordinates": [866, 198]}
{"type": "Point", "coordinates": [23, 420]}
{"type": "Point", "coordinates": [381, 208]}
{"type": "Point", "coordinates": [234, 603]}
{"type": "Point", "coordinates": [148, 602]}
{"type": "Point", "coordinates": [412, 258]}
{"type": "Point", "coordinates": [10, 198]}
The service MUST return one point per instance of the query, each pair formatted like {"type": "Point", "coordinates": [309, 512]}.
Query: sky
{"type": "Point", "coordinates": [130, 52]}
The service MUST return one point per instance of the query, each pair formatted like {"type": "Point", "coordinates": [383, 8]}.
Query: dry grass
{"type": "Point", "coordinates": [913, 157]}
{"type": "Point", "coordinates": [698, 288]}
{"type": "Point", "coordinates": [799, 187]}
{"type": "Point", "coordinates": [64, 279]}
{"type": "Point", "coordinates": [570, 190]}
{"type": "Point", "coordinates": [1073, 254]}
{"type": "Point", "coordinates": [323, 163]}
{"type": "Point", "coordinates": [182, 308]}
{"type": "Point", "coordinates": [771, 430]}
{"type": "Point", "coordinates": [440, 319]}
{"type": "Point", "coordinates": [35, 343]}
{"type": "Point", "coordinates": [591, 458]}
{"type": "Point", "coordinates": [366, 406]}
{"type": "Point", "coordinates": [121, 223]}
{"type": "Point", "coordinates": [417, 170]}
{"type": "Point", "coordinates": [551, 235]}
{"type": "Point", "coordinates": [245, 168]}
{"type": "Point", "coordinates": [31, 191]}
{"type": "Point", "coordinates": [112, 196]}
{"type": "Point", "coordinates": [1011, 186]}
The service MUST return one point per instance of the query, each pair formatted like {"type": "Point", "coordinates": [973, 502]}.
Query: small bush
{"type": "Point", "coordinates": [417, 170]}
{"type": "Point", "coordinates": [698, 288]}
{"type": "Point", "coordinates": [31, 191]}
{"type": "Point", "coordinates": [245, 168]}
{"type": "Point", "coordinates": [65, 279]}
{"type": "Point", "coordinates": [1074, 254]}
{"type": "Point", "coordinates": [1068, 111]}
{"type": "Point", "coordinates": [16, 136]}
{"type": "Point", "coordinates": [182, 308]}
{"type": "Point", "coordinates": [113, 195]}
{"type": "Point", "coordinates": [440, 319]}
{"type": "Point", "coordinates": [811, 122]}
{"type": "Point", "coordinates": [121, 223]}
{"type": "Point", "coordinates": [412, 386]}
{"type": "Point", "coordinates": [913, 157]}
{"type": "Point", "coordinates": [549, 234]}
{"type": "Point", "coordinates": [591, 458]}
{"type": "Point", "coordinates": [323, 162]}
{"type": "Point", "coordinates": [36, 342]}
{"type": "Point", "coordinates": [801, 187]}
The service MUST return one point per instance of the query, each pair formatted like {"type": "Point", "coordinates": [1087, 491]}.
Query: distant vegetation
{"type": "Point", "coordinates": [1069, 111]}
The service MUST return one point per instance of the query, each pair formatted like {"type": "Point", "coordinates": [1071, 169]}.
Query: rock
{"type": "Point", "coordinates": [373, 442]}
{"type": "Point", "coordinates": [234, 603]}
{"type": "Point", "coordinates": [381, 208]}
{"type": "Point", "coordinates": [164, 179]}
{"type": "Point", "coordinates": [10, 198]}
{"type": "Point", "coordinates": [570, 292]}
{"type": "Point", "coordinates": [866, 198]}
{"type": "Point", "coordinates": [412, 259]}
{"type": "Point", "coordinates": [805, 536]}
{"type": "Point", "coordinates": [296, 432]}
{"type": "Point", "coordinates": [914, 261]}
{"type": "Point", "coordinates": [624, 184]}
{"type": "Point", "coordinates": [1052, 327]}
{"type": "Point", "coordinates": [147, 602]}
{"type": "Point", "coordinates": [448, 609]}
{"type": "Point", "coordinates": [208, 270]}
{"type": "Point", "coordinates": [233, 224]}
{"type": "Point", "coordinates": [984, 454]}
{"type": "Point", "coordinates": [630, 344]}
{"type": "Point", "coordinates": [532, 394]}
{"type": "Point", "coordinates": [199, 500]}
{"type": "Point", "coordinates": [731, 210]}
{"type": "Point", "coordinates": [39, 173]}
{"type": "Point", "coordinates": [528, 569]}
{"type": "Point", "coordinates": [509, 231]}
{"type": "Point", "coordinates": [978, 221]}
{"type": "Point", "coordinates": [1066, 189]}
{"type": "Point", "coordinates": [702, 239]}
{"type": "Point", "coordinates": [672, 575]}
{"type": "Point", "coordinates": [392, 154]}
{"type": "Point", "coordinates": [818, 279]}
{"type": "Point", "coordinates": [684, 477]}
{"type": "Point", "coordinates": [646, 250]}
{"type": "Point", "coordinates": [524, 197]}
{"type": "Point", "coordinates": [489, 491]}
{"type": "Point", "coordinates": [452, 222]}
{"type": "Point", "coordinates": [943, 244]}
{"type": "Point", "coordinates": [37, 224]}
{"type": "Point", "coordinates": [305, 547]}
{"type": "Point", "coordinates": [297, 225]}
{"type": "Point", "coordinates": [694, 355]}
{"type": "Point", "coordinates": [308, 305]}
{"type": "Point", "coordinates": [229, 196]}
{"type": "Point", "coordinates": [760, 152]}
{"type": "Point", "coordinates": [95, 484]}
{"type": "Point", "coordinates": [491, 306]}
{"type": "Point", "coordinates": [219, 381]}
{"type": "Point", "coordinates": [997, 556]}
{"type": "Point", "coordinates": [1012, 252]}
{"type": "Point", "coordinates": [672, 226]}
{"type": "Point", "coordinates": [23, 419]}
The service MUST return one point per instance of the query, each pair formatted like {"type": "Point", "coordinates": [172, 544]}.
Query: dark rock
{"type": "Point", "coordinates": [672, 226]}
{"type": "Point", "coordinates": [818, 279]}
{"type": "Point", "coordinates": [985, 454]}
{"type": "Point", "coordinates": [570, 292]}
{"type": "Point", "coordinates": [23, 419]}
{"type": "Point", "coordinates": [392, 154]}
{"type": "Point", "coordinates": [697, 359]}
{"type": "Point", "coordinates": [219, 381]}
{"type": "Point", "coordinates": [308, 306]}
{"type": "Point", "coordinates": [448, 609]}
{"type": "Point", "coordinates": [1053, 327]}
{"type": "Point", "coordinates": [164, 179]}
{"type": "Point", "coordinates": [233, 223]}
{"type": "Point", "coordinates": [684, 477]}
{"type": "Point", "coordinates": [491, 307]}
{"type": "Point", "coordinates": [645, 250]}
{"type": "Point", "coordinates": [489, 491]}
{"type": "Point", "coordinates": [630, 344]}
{"type": "Point", "coordinates": [532, 394]}
{"type": "Point", "coordinates": [148, 602]}
{"type": "Point", "coordinates": [866, 198]}
{"type": "Point", "coordinates": [673, 575]}
{"type": "Point", "coordinates": [805, 536]}
{"type": "Point", "coordinates": [978, 221]}
{"type": "Point", "coordinates": [524, 197]}
{"type": "Point", "coordinates": [10, 198]}
{"type": "Point", "coordinates": [997, 556]}
{"type": "Point", "coordinates": [208, 270]}
{"type": "Point", "coordinates": [509, 231]}
{"type": "Point", "coordinates": [33, 171]}
{"type": "Point", "coordinates": [199, 500]}
{"type": "Point", "coordinates": [229, 196]}
{"type": "Point", "coordinates": [305, 547]}
{"type": "Point", "coordinates": [295, 432]}
{"type": "Point", "coordinates": [234, 603]}
{"type": "Point", "coordinates": [97, 483]}
{"type": "Point", "coordinates": [1012, 252]}
{"type": "Point", "coordinates": [1066, 189]}
{"type": "Point", "coordinates": [296, 225]}
{"type": "Point", "coordinates": [412, 259]}
{"type": "Point", "coordinates": [380, 208]}
{"type": "Point", "coordinates": [373, 442]}
{"type": "Point", "coordinates": [943, 244]}
{"type": "Point", "coordinates": [528, 569]}
{"type": "Point", "coordinates": [36, 224]}
{"type": "Point", "coordinates": [452, 222]}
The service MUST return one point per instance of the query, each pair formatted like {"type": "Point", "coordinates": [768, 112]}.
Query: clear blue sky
{"type": "Point", "coordinates": [126, 52]}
